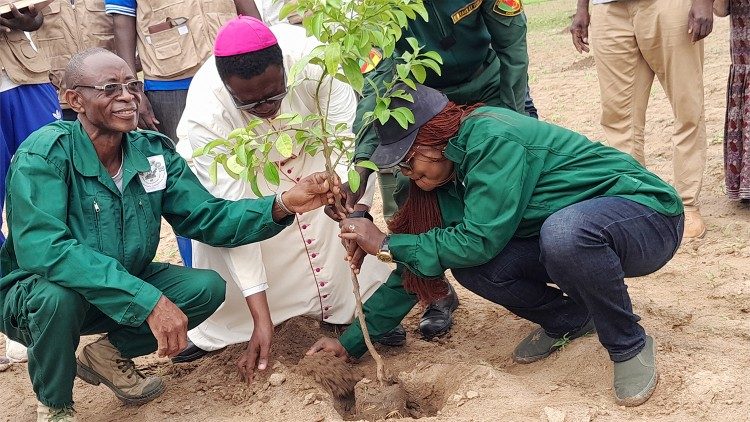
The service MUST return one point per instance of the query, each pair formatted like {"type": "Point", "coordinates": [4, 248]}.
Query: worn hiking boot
{"type": "Point", "coordinates": [101, 362]}
{"type": "Point", "coordinates": [636, 378]}
{"type": "Point", "coordinates": [538, 345]}
{"type": "Point", "coordinates": [695, 228]}
{"type": "Point", "coordinates": [48, 414]}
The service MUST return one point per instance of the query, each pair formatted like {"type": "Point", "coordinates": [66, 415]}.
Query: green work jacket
{"type": "Point", "coordinates": [455, 29]}
{"type": "Point", "coordinates": [458, 31]}
{"type": "Point", "coordinates": [70, 224]}
{"type": "Point", "coordinates": [512, 172]}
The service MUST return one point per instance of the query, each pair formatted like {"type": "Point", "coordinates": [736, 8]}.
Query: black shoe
{"type": "Point", "coordinates": [438, 317]}
{"type": "Point", "coordinates": [189, 354]}
{"type": "Point", "coordinates": [394, 338]}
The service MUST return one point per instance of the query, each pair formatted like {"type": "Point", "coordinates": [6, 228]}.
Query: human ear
{"type": "Point", "coordinates": [74, 100]}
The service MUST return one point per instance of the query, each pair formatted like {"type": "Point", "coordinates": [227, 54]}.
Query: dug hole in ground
{"type": "Point", "coordinates": [696, 308]}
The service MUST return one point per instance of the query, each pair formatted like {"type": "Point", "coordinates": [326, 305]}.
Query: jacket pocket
{"type": "Point", "coordinates": [172, 51]}
{"type": "Point", "coordinates": [52, 29]}
{"type": "Point", "coordinates": [101, 25]}
{"type": "Point", "coordinates": [25, 53]}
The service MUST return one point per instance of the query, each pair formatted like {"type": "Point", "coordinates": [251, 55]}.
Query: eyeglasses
{"type": "Point", "coordinates": [251, 106]}
{"type": "Point", "coordinates": [405, 164]}
{"type": "Point", "coordinates": [256, 104]}
{"type": "Point", "coordinates": [115, 89]}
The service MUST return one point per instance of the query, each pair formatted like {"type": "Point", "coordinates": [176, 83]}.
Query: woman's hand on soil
{"type": "Point", "coordinates": [327, 344]}
{"type": "Point", "coordinates": [256, 354]}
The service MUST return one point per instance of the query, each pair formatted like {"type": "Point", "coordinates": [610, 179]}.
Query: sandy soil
{"type": "Point", "coordinates": [696, 308]}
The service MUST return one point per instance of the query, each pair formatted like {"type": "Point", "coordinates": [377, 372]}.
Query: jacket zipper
{"type": "Point", "coordinates": [98, 226]}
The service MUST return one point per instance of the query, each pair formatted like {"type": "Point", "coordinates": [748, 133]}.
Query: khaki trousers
{"type": "Point", "coordinates": [633, 40]}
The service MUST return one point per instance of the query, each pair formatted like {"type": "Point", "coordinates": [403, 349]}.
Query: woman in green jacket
{"type": "Point", "coordinates": [511, 204]}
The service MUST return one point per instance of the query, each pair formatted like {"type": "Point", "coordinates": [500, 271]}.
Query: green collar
{"type": "Point", "coordinates": [88, 164]}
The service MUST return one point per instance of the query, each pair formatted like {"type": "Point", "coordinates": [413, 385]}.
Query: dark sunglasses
{"type": "Point", "coordinates": [256, 104]}
{"type": "Point", "coordinates": [115, 89]}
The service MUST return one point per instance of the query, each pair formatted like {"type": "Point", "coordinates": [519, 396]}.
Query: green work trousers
{"type": "Point", "coordinates": [49, 319]}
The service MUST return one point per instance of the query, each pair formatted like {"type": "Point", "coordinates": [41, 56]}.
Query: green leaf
{"type": "Point", "coordinates": [284, 145]}
{"type": "Point", "coordinates": [354, 180]}
{"type": "Point", "coordinates": [199, 151]}
{"type": "Point", "coordinates": [419, 73]}
{"type": "Point", "coordinates": [402, 70]}
{"type": "Point", "coordinates": [333, 58]}
{"type": "Point", "coordinates": [254, 186]}
{"type": "Point", "coordinates": [241, 154]}
{"type": "Point", "coordinates": [354, 75]}
{"type": "Point", "coordinates": [236, 133]}
{"type": "Point", "coordinates": [271, 173]}
{"type": "Point", "coordinates": [410, 83]}
{"type": "Point", "coordinates": [398, 114]}
{"type": "Point", "coordinates": [413, 43]}
{"type": "Point", "coordinates": [287, 9]}
{"type": "Point", "coordinates": [434, 56]}
{"type": "Point", "coordinates": [368, 165]}
{"type": "Point", "coordinates": [213, 169]}
{"type": "Point", "coordinates": [432, 65]}
{"type": "Point", "coordinates": [213, 144]}
{"type": "Point", "coordinates": [234, 166]}
{"type": "Point", "coordinates": [316, 25]}
{"type": "Point", "coordinates": [422, 11]}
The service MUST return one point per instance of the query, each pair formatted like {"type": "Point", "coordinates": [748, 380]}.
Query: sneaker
{"type": "Point", "coordinates": [636, 378]}
{"type": "Point", "coordinates": [101, 362]}
{"type": "Point", "coordinates": [694, 226]}
{"type": "Point", "coordinates": [48, 414]}
{"type": "Point", "coordinates": [538, 345]}
{"type": "Point", "coordinates": [15, 352]}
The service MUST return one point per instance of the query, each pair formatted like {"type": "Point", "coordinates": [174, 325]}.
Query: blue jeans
{"type": "Point", "coordinates": [586, 249]}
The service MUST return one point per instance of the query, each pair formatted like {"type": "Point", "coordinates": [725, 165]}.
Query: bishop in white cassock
{"type": "Point", "coordinates": [302, 270]}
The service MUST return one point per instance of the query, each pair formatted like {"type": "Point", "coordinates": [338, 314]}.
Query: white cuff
{"type": "Point", "coordinates": [255, 289]}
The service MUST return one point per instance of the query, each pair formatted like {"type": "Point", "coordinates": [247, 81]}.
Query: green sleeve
{"type": "Point", "coordinates": [501, 175]}
{"type": "Point", "coordinates": [39, 195]}
{"type": "Point", "coordinates": [384, 310]}
{"type": "Point", "coordinates": [194, 213]}
{"type": "Point", "coordinates": [367, 139]}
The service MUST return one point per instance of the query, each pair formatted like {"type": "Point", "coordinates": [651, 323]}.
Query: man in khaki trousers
{"type": "Point", "coordinates": [634, 40]}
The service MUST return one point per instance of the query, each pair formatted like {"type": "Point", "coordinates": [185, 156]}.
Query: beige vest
{"type": "Point", "coordinates": [178, 52]}
{"type": "Point", "coordinates": [70, 28]}
{"type": "Point", "coordinates": [23, 64]}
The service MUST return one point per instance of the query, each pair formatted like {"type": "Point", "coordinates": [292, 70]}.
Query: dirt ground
{"type": "Point", "coordinates": [696, 308]}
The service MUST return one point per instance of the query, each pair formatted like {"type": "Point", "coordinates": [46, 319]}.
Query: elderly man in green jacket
{"type": "Point", "coordinates": [512, 205]}
{"type": "Point", "coordinates": [85, 202]}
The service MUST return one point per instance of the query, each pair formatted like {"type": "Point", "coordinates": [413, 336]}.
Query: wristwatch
{"type": "Point", "coordinates": [384, 254]}
{"type": "Point", "coordinates": [360, 214]}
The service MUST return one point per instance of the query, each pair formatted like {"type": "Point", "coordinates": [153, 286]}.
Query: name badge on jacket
{"type": "Point", "coordinates": [156, 178]}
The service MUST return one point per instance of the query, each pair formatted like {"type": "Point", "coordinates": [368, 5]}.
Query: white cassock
{"type": "Point", "coordinates": [302, 269]}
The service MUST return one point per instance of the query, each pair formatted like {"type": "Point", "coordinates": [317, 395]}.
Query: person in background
{"type": "Point", "coordinates": [737, 123]}
{"type": "Point", "coordinates": [633, 41]}
{"type": "Point", "coordinates": [301, 271]}
{"type": "Point", "coordinates": [71, 26]}
{"type": "Point", "coordinates": [172, 41]}
{"type": "Point", "coordinates": [27, 102]}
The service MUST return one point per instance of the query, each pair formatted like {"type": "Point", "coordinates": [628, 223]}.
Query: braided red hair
{"type": "Point", "coordinates": [421, 211]}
